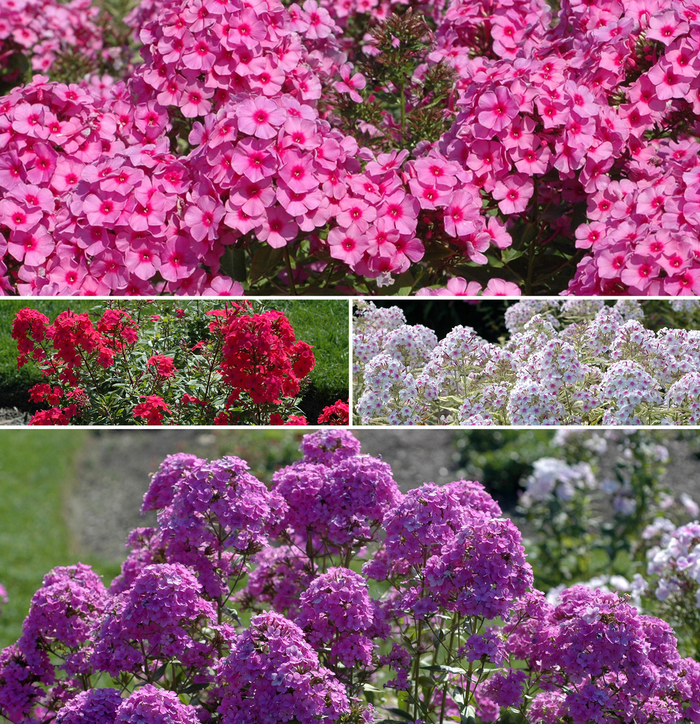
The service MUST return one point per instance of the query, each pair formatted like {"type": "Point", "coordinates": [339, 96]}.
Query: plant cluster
{"type": "Point", "coordinates": [332, 597]}
{"type": "Point", "coordinates": [599, 512]}
{"type": "Point", "coordinates": [350, 147]}
{"type": "Point", "coordinates": [230, 365]}
{"type": "Point", "coordinates": [565, 362]}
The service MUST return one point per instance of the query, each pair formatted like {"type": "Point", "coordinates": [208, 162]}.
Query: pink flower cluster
{"type": "Point", "coordinates": [569, 135]}
{"type": "Point", "coordinates": [44, 29]}
{"type": "Point", "coordinates": [91, 198]}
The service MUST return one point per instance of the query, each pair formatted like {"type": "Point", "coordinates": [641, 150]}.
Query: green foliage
{"type": "Point", "coordinates": [659, 313]}
{"type": "Point", "coordinates": [417, 108]}
{"type": "Point", "coordinates": [37, 469]}
{"type": "Point", "coordinates": [15, 69]}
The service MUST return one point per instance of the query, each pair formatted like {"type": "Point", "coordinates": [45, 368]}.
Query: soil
{"type": "Point", "coordinates": [114, 474]}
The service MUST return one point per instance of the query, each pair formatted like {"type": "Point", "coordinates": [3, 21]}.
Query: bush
{"type": "Point", "coordinates": [220, 365]}
{"type": "Point", "coordinates": [568, 362]}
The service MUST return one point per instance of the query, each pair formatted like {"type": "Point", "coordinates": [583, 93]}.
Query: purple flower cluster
{"type": "Point", "coordinates": [427, 519]}
{"type": "Point", "coordinates": [328, 447]}
{"type": "Point", "coordinates": [453, 624]}
{"type": "Point", "coordinates": [336, 612]}
{"type": "Point", "coordinates": [94, 706]}
{"type": "Point", "coordinates": [147, 705]}
{"type": "Point", "coordinates": [20, 684]}
{"type": "Point", "coordinates": [272, 669]}
{"type": "Point", "coordinates": [214, 515]}
{"type": "Point", "coordinates": [62, 618]}
{"type": "Point", "coordinates": [482, 571]}
{"type": "Point", "coordinates": [591, 641]}
{"type": "Point", "coordinates": [278, 576]}
{"type": "Point", "coordinates": [158, 617]}
{"type": "Point", "coordinates": [339, 504]}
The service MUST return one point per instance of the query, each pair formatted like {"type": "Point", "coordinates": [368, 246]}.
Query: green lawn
{"type": "Point", "coordinates": [323, 323]}
{"type": "Point", "coordinates": [37, 469]}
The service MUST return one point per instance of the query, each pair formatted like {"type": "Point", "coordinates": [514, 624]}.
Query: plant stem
{"type": "Point", "coordinates": [288, 262]}
{"type": "Point", "coordinates": [402, 98]}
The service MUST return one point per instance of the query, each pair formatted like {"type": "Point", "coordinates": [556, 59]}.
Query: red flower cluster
{"type": "Point", "coordinates": [45, 393]}
{"type": "Point", "coordinates": [336, 414]}
{"type": "Point", "coordinates": [73, 338]}
{"type": "Point", "coordinates": [153, 410]}
{"type": "Point", "coordinates": [262, 357]}
{"type": "Point", "coordinates": [164, 366]}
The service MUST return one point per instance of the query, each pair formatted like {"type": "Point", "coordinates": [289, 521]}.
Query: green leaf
{"type": "Point", "coordinates": [509, 254]}
{"type": "Point", "coordinates": [160, 671]}
{"type": "Point", "coordinates": [194, 688]}
{"type": "Point", "coordinates": [369, 687]}
{"type": "Point", "coordinates": [400, 713]}
{"type": "Point", "coordinates": [263, 259]}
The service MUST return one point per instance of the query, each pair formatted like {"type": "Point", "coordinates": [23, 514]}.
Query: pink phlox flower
{"type": "Point", "coordinates": [260, 117]}
{"type": "Point", "coordinates": [350, 84]}
{"type": "Point", "coordinates": [666, 27]}
{"type": "Point", "coordinates": [297, 172]}
{"type": "Point", "coordinates": [267, 77]}
{"type": "Point", "coordinates": [501, 288]}
{"type": "Point", "coordinates": [400, 211]}
{"type": "Point", "coordinates": [497, 234]}
{"type": "Point", "coordinates": [300, 132]}
{"type": "Point", "coordinates": [253, 159]}
{"type": "Point", "coordinates": [497, 109]}
{"type": "Point", "coordinates": [278, 228]}
{"type": "Point", "coordinates": [142, 260]}
{"type": "Point", "coordinates": [203, 218]}
{"type": "Point", "coordinates": [355, 211]}
{"type": "Point", "coordinates": [253, 198]}
{"type": "Point", "coordinates": [461, 214]}
{"type": "Point", "coordinates": [31, 247]}
{"type": "Point", "coordinates": [513, 193]}
{"type": "Point", "coordinates": [321, 24]}
{"type": "Point", "coordinates": [348, 245]}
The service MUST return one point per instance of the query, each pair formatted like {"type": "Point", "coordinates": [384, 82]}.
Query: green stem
{"type": "Point", "coordinates": [288, 262]}
{"type": "Point", "coordinates": [402, 98]}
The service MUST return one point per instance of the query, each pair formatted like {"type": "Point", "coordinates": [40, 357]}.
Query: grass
{"type": "Point", "coordinates": [37, 470]}
{"type": "Point", "coordinates": [322, 323]}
